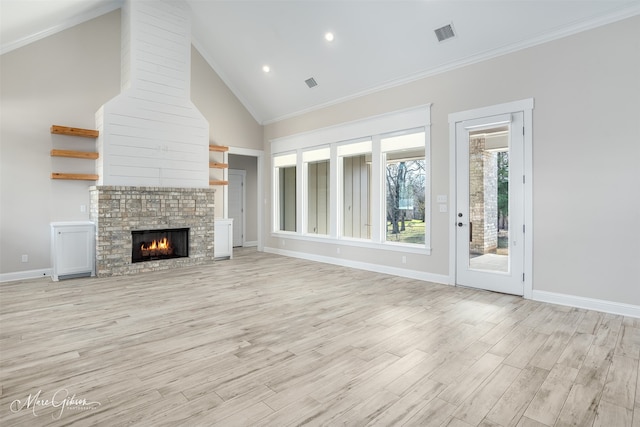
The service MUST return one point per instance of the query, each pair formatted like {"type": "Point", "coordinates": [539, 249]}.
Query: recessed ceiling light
{"type": "Point", "coordinates": [328, 37]}
{"type": "Point", "coordinates": [266, 68]}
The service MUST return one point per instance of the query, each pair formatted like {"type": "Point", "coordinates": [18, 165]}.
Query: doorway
{"type": "Point", "coordinates": [246, 196]}
{"type": "Point", "coordinates": [237, 202]}
{"type": "Point", "coordinates": [491, 245]}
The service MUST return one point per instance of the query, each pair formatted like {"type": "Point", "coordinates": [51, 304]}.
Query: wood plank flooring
{"type": "Point", "coordinates": [264, 340]}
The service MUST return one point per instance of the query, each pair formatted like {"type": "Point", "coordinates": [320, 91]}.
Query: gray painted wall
{"type": "Point", "coordinates": [586, 136]}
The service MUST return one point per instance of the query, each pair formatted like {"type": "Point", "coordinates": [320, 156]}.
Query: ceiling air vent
{"type": "Point", "coordinates": [444, 33]}
{"type": "Point", "coordinates": [311, 82]}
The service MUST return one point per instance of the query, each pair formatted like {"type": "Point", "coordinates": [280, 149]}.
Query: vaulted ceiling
{"type": "Point", "coordinates": [377, 43]}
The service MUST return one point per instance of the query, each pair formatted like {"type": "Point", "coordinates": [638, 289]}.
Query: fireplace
{"type": "Point", "coordinates": [153, 142]}
{"type": "Point", "coordinates": [120, 212]}
{"type": "Point", "coordinates": [149, 245]}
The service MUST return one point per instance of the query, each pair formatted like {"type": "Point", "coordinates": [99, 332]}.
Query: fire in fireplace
{"type": "Point", "coordinates": [148, 245]}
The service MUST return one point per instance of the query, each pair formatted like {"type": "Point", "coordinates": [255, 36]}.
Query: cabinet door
{"type": "Point", "coordinates": [74, 250]}
{"type": "Point", "coordinates": [223, 239]}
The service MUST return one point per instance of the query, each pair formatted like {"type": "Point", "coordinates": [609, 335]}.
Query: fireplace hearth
{"type": "Point", "coordinates": [150, 245]}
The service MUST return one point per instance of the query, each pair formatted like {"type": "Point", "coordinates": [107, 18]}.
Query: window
{"type": "Point", "coordinates": [405, 187]}
{"type": "Point", "coordinates": [285, 190]}
{"type": "Point", "coordinates": [364, 183]}
{"type": "Point", "coordinates": [356, 189]}
{"type": "Point", "coordinates": [318, 190]}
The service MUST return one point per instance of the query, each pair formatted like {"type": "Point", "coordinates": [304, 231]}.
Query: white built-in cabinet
{"type": "Point", "coordinates": [223, 238]}
{"type": "Point", "coordinates": [72, 249]}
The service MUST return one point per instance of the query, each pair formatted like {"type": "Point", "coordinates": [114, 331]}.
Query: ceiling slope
{"type": "Point", "coordinates": [377, 44]}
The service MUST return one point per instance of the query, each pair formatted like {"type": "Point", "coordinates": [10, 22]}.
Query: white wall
{"type": "Point", "coordinates": [586, 149]}
{"type": "Point", "coordinates": [63, 79]}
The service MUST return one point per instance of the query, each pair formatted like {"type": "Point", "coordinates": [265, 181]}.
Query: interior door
{"type": "Point", "coordinates": [236, 205]}
{"type": "Point", "coordinates": [490, 203]}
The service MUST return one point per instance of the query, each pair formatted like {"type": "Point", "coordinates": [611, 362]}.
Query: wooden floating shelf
{"type": "Point", "coordinates": [75, 176]}
{"type": "Point", "coordinates": [66, 130]}
{"type": "Point", "coordinates": [218, 182]}
{"type": "Point", "coordinates": [74, 154]}
{"type": "Point", "coordinates": [221, 148]}
{"type": "Point", "coordinates": [217, 165]}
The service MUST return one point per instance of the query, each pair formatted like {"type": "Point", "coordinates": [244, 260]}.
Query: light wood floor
{"type": "Point", "coordinates": [264, 340]}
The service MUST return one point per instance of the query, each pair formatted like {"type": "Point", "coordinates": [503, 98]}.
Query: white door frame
{"type": "Point", "coordinates": [526, 106]}
{"type": "Point", "coordinates": [243, 174]}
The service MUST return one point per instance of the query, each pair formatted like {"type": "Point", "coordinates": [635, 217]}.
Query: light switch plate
{"type": "Point", "coordinates": [441, 198]}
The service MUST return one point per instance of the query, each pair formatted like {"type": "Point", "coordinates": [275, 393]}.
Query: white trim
{"type": "Point", "coordinates": [409, 118]}
{"type": "Point", "coordinates": [25, 275]}
{"type": "Point", "coordinates": [596, 22]}
{"type": "Point", "coordinates": [377, 268]}
{"type": "Point", "coordinates": [252, 243]}
{"type": "Point", "coordinates": [528, 201]}
{"type": "Point", "coordinates": [72, 22]}
{"type": "Point", "coordinates": [492, 110]}
{"type": "Point", "coordinates": [612, 307]}
{"type": "Point", "coordinates": [407, 248]}
{"type": "Point", "coordinates": [242, 173]}
{"type": "Point", "coordinates": [452, 202]}
{"type": "Point", "coordinates": [72, 223]}
{"type": "Point", "coordinates": [259, 154]}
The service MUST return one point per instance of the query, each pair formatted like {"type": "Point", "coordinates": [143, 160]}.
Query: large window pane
{"type": "Point", "coordinates": [356, 200]}
{"type": "Point", "coordinates": [287, 197]}
{"type": "Point", "coordinates": [318, 197]}
{"type": "Point", "coordinates": [405, 188]}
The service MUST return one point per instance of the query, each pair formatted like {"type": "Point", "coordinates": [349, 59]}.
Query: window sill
{"type": "Point", "coordinates": [359, 243]}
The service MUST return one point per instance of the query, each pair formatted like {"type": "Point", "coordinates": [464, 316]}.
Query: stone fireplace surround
{"type": "Point", "coordinates": [117, 210]}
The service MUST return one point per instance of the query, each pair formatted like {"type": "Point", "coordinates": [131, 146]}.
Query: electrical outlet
{"type": "Point", "coordinates": [83, 208]}
{"type": "Point", "coordinates": [25, 258]}
{"type": "Point", "coordinates": [404, 259]}
{"type": "Point", "coordinates": [338, 251]}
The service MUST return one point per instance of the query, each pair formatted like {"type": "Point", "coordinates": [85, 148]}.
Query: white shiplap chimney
{"type": "Point", "coordinates": [152, 134]}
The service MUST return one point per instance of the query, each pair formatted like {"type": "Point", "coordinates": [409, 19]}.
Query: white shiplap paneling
{"type": "Point", "coordinates": [151, 134]}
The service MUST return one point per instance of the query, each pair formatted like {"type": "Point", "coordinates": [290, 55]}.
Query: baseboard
{"type": "Point", "coordinates": [394, 271]}
{"type": "Point", "coordinates": [612, 307]}
{"type": "Point", "coordinates": [25, 275]}
{"type": "Point", "coordinates": [250, 244]}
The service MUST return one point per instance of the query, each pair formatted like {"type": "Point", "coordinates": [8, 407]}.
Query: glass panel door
{"type": "Point", "coordinates": [489, 203]}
